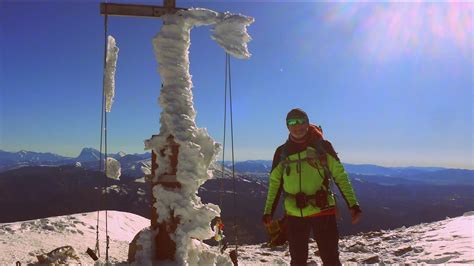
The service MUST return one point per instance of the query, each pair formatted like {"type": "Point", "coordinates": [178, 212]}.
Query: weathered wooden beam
{"type": "Point", "coordinates": [169, 3]}
{"type": "Point", "coordinates": [165, 247]}
{"type": "Point", "coordinates": [113, 9]}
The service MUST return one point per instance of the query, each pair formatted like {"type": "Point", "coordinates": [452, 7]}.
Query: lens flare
{"type": "Point", "coordinates": [389, 30]}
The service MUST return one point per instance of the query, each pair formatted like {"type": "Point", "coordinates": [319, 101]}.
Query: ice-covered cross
{"type": "Point", "coordinates": [196, 148]}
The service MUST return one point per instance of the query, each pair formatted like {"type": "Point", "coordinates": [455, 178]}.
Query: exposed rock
{"type": "Point", "coordinates": [418, 249]}
{"type": "Point", "coordinates": [140, 249]}
{"type": "Point", "coordinates": [133, 248]}
{"type": "Point", "coordinates": [374, 234]}
{"type": "Point", "coordinates": [61, 255]}
{"type": "Point", "coordinates": [389, 237]}
{"type": "Point", "coordinates": [371, 259]}
{"type": "Point", "coordinates": [358, 247]}
{"type": "Point", "coordinates": [376, 243]}
{"type": "Point", "coordinates": [403, 250]}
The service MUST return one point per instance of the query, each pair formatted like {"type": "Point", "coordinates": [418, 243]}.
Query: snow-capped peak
{"type": "Point", "coordinates": [88, 154]}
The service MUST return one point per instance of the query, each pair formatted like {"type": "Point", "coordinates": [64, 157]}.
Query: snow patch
{"type": "Point", "coordinates": [146, 170]}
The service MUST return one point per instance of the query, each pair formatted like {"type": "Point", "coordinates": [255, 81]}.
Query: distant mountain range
{"type": "Point", "coordinates": [38, 191]}
{"type": "Point", "coordinates": [132, 165]}
{"type": "Point", "coordinates": [88, 158]}
{"type": "Point", "coordinates": [265, 166]}
{"type": "Point", "coordinates": [250, 166]}
{"type": "Point", "coordinates": [29, 156]}
{"type": "Point", "coordinates": [374, 173]}
{"type": "Point", "coordinates": [86, 155]}
{"type": "Point", "coordinates": [36, 185]}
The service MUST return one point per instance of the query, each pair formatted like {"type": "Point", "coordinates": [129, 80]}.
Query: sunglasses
{"type": "Point", "coordinates": [296, 121]}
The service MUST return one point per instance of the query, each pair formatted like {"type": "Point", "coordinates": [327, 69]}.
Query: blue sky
{"type": "Point", "coordinates": [391, 84]}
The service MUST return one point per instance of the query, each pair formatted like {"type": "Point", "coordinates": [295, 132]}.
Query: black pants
{"type": "Point", "coordinates": [325, 232]}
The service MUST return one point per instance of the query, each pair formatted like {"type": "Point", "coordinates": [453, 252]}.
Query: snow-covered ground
{"type": "Point", "coordinates": [447, 241]}
{"type": "Point", "coordinates": [23, 241]}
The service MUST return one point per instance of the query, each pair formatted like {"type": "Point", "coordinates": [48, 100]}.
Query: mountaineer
{"type": "Point", "coordinates": [303, 169]}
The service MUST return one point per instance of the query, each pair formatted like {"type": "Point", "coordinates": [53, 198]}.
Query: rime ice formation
{"type": "Point", "coordinates": [231, 34]}
{"type": "Point", "coordinates": [113, 168]}
{"type": "Point", "coordinates": [110, 67]}
{"type": "Point", "coordinates": [196, 148]}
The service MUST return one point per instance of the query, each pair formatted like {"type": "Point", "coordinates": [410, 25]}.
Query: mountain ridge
{"type": "Point", "coordinates": [91, 154]}
{"type": "Point", "coordinates": [69, 189]}
{"type": "Point", "coordinates": [87, 157]}
{"type": "Point", "coordinates": [133, 166]}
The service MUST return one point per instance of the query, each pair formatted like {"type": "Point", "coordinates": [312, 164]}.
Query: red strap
{"type": "Point", "coordinates": [323, 213]}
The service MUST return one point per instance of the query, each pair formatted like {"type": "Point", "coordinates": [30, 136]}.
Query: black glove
{"type": "Point", "coordinates": [266, 218]}
{"type": "Point", "coordinates": [356, 213]}
{"type": "Point", "coordinates": [356, 209]}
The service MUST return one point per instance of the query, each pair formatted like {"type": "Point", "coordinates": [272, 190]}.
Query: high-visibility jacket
{"type": "Point", "coordinates": [299, 173]}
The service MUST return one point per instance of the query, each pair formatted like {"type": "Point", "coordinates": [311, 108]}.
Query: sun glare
{"type": "Point", "coordinates": [389, 30]}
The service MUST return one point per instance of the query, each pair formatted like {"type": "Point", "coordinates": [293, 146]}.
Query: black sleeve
{"type": "Point", "coordinates": [276, 157]}
{"type": "Point", "coordinates": [276, 161]}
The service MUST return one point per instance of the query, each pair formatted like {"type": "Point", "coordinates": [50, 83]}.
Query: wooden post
{"type": "Point", "coordinates": [169, 4]}
{"type": "Point", "coordinates": [165, 246]}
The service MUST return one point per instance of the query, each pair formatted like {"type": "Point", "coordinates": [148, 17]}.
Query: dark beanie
{"type": "Point", "coordinates": [297, 113]}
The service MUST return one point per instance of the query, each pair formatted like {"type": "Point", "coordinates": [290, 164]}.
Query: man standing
{"type": "Point", "coordinates": [303, 169]}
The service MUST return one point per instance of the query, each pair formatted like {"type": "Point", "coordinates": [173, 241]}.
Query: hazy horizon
{"type": "Point", "coordinates": [219, 159]}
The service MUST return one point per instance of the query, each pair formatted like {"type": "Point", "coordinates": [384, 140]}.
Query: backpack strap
{"type": "Point", "coordinates": [321, 154]}
{"type": "Point", "coordinates": [284, 162]}
{"type": "Point", "coordinates": [284, 152]}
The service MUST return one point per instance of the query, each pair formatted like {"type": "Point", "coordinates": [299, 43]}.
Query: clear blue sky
{"type": "Point", "coordinates": [391, 84]}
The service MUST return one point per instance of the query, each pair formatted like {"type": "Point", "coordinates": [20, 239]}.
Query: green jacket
{"type": "Point", "coordinates": [306, 174]}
